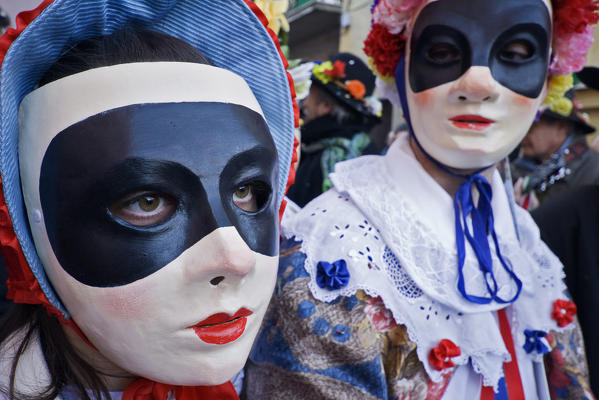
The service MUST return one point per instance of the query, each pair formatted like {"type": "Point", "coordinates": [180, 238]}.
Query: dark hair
{"type": "Point", "coordinates": [66, 366]}
{"type": "Point", "coordinates": [124, 46]}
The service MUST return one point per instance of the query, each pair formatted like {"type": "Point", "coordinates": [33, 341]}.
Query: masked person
{"type": "Point", "coordinates": [338, 113]}
{"type": "Point", "coordinates": [412, 277]}
{"type": "Point", "coordinates": [555, 156]}
{"type": "Point", "coordinates": [569, 225]}
{"type": "Point", "coordinates": [144, 159]}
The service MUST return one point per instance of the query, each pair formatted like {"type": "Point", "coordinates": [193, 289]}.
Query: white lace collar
{"type": "Point", "coordinates": [394, 226]}
{"type": "Point", "coordinates": [401, 187]}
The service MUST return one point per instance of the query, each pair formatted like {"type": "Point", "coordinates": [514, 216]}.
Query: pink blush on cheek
{"type": "Point", "coordinates": [129, 301]}
{"type": "Point", "coordinates": [522, 101]}
{"type": "Point", "coordinates": [423, 98]}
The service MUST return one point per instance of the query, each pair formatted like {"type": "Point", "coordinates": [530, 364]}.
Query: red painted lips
{"type": "Point", "coordinates": [222, 328]}
{"type": "Point", "coordinates": [472, 122]}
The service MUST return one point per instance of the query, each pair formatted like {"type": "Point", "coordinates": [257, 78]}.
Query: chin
{"type": "Point", "coordinates": [200, 374]}
{"type": "Point", "coordinates": [469, 158]}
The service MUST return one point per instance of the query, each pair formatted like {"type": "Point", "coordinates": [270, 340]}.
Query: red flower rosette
{"type": "Point", "coordinates": [384, 48]}
{"type": "Point", "coordinates": [440, 356]}
{"type": "Point", "coordinates": [563, 312]}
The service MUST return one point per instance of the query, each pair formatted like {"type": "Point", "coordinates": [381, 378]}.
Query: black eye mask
{"type": "Point", "coordinates": [450, 36]}
{"type": "Point", "coordinates": [199, 154]}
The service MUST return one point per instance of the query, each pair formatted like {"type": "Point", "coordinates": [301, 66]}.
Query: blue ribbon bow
{"type": "Point", "coordinates": [481, 216]}
{"type": "Point", "coordinates": [332, 276]}
{"type": "Point", "coordinates": [482, 225]}
{"type": "Point", "coordinates": [535, 342]}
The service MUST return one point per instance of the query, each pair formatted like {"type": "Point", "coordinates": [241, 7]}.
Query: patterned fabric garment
{"type": "Point", "coordinates": [367, 304]}
{"type": "Point", "coordinates": [352, 348]}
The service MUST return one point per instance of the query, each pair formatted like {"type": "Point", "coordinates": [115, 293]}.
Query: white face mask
{"type": "Point", "coordinates": [190, 319]}
{"type": "Point", "coordinates": [471, 122]}
{"type": "Point", "coordinates": [146, 327]}
{"type": "Point", "coordinates": [437, 114]}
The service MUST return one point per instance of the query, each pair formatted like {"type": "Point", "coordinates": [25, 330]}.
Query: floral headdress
{"type": "Point", "coordinates": [329, 72]}
{"type": "Point", "coordinates": [351, 88]}
{"type": "Point", "coordinates": [573, 35]}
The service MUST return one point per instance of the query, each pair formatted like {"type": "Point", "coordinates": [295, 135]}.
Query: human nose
{"type": "Point", "coordinates": [475, 85]}
{"type": "Point", "coordinates": [223, 256]}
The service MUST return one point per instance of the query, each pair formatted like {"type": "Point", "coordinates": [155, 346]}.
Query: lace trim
{"type": "Point", "coordinates": [334, 227]}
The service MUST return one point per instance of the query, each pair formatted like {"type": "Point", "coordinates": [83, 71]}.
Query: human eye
{"type": "Point", "coordinates": [517, 51]}
{"type": "Point", "coordinates": [144, 208]}
{"type": "Point", "coordinates": [443, 53]}
{"type": "Point", "coordinates": [252, 196]}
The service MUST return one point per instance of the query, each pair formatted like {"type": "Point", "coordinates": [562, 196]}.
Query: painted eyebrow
{"type": "Point", "coordinates": [260, 157]}
{"type": "Point", "coordinates": [256, 164]}
{"type": "Point", "coordinates": [139, 173]}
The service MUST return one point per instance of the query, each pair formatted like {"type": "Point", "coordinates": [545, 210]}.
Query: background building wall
{"type": "Point", "coordinates": [13, 7]}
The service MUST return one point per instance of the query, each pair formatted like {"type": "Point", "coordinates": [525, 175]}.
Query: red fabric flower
{"type": "Point", "coordinates": [573, 16]}
{"type": "Point", "coordinates": [338, 70]}
{"type": "Point", "coordinates": [384, 48]}
{"type": "Point", "coordinates": [563, 312]}
{"type": "Point", "coordinates": [440, 356]}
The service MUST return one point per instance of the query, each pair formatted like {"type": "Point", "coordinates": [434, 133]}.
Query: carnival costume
{"type": "Point", "coordinates": [331, 138]}
{"type": "Point", "coordinates": [389, 288]}
{"type": "Point", "coordinates": [246, 84]}
{"type": "Point", "coordinates": [573, 164]}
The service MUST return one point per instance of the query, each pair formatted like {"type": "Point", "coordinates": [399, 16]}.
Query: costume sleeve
{"type": "Point", "coordinates": [567, 371]}
{"type": "Point", "coordinates": [308, 349]}
{"type": "Point", "coordinates": [405, 374]}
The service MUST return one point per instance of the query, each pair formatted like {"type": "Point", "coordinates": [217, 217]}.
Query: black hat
{"type": "Point", "coordinates": [576, 117]}
{"type": "Point", "coordinates": [353, 69]}
{"type": "Point", "coordinates": [590, 77]}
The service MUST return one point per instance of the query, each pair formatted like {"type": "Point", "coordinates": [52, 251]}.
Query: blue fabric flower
{"type": "Point", "coordinates": [332, 276]}
{"type": "Point", "coordinates": [535, 342]}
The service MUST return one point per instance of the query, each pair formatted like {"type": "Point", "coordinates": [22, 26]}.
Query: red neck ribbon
{"type": "Point", "coordinates": [513, 381]}
{"type": "Point", "coordinates": [144, 389]}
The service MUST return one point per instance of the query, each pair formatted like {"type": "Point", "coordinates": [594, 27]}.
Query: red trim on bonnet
{"type": "Point", "coordinates": [275, 39]}
{"type": "Point", "coordinates": [21, 283]}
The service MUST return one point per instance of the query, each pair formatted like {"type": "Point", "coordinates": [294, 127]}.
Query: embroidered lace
{"type": "Point", "coordinates": [394, 227]}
